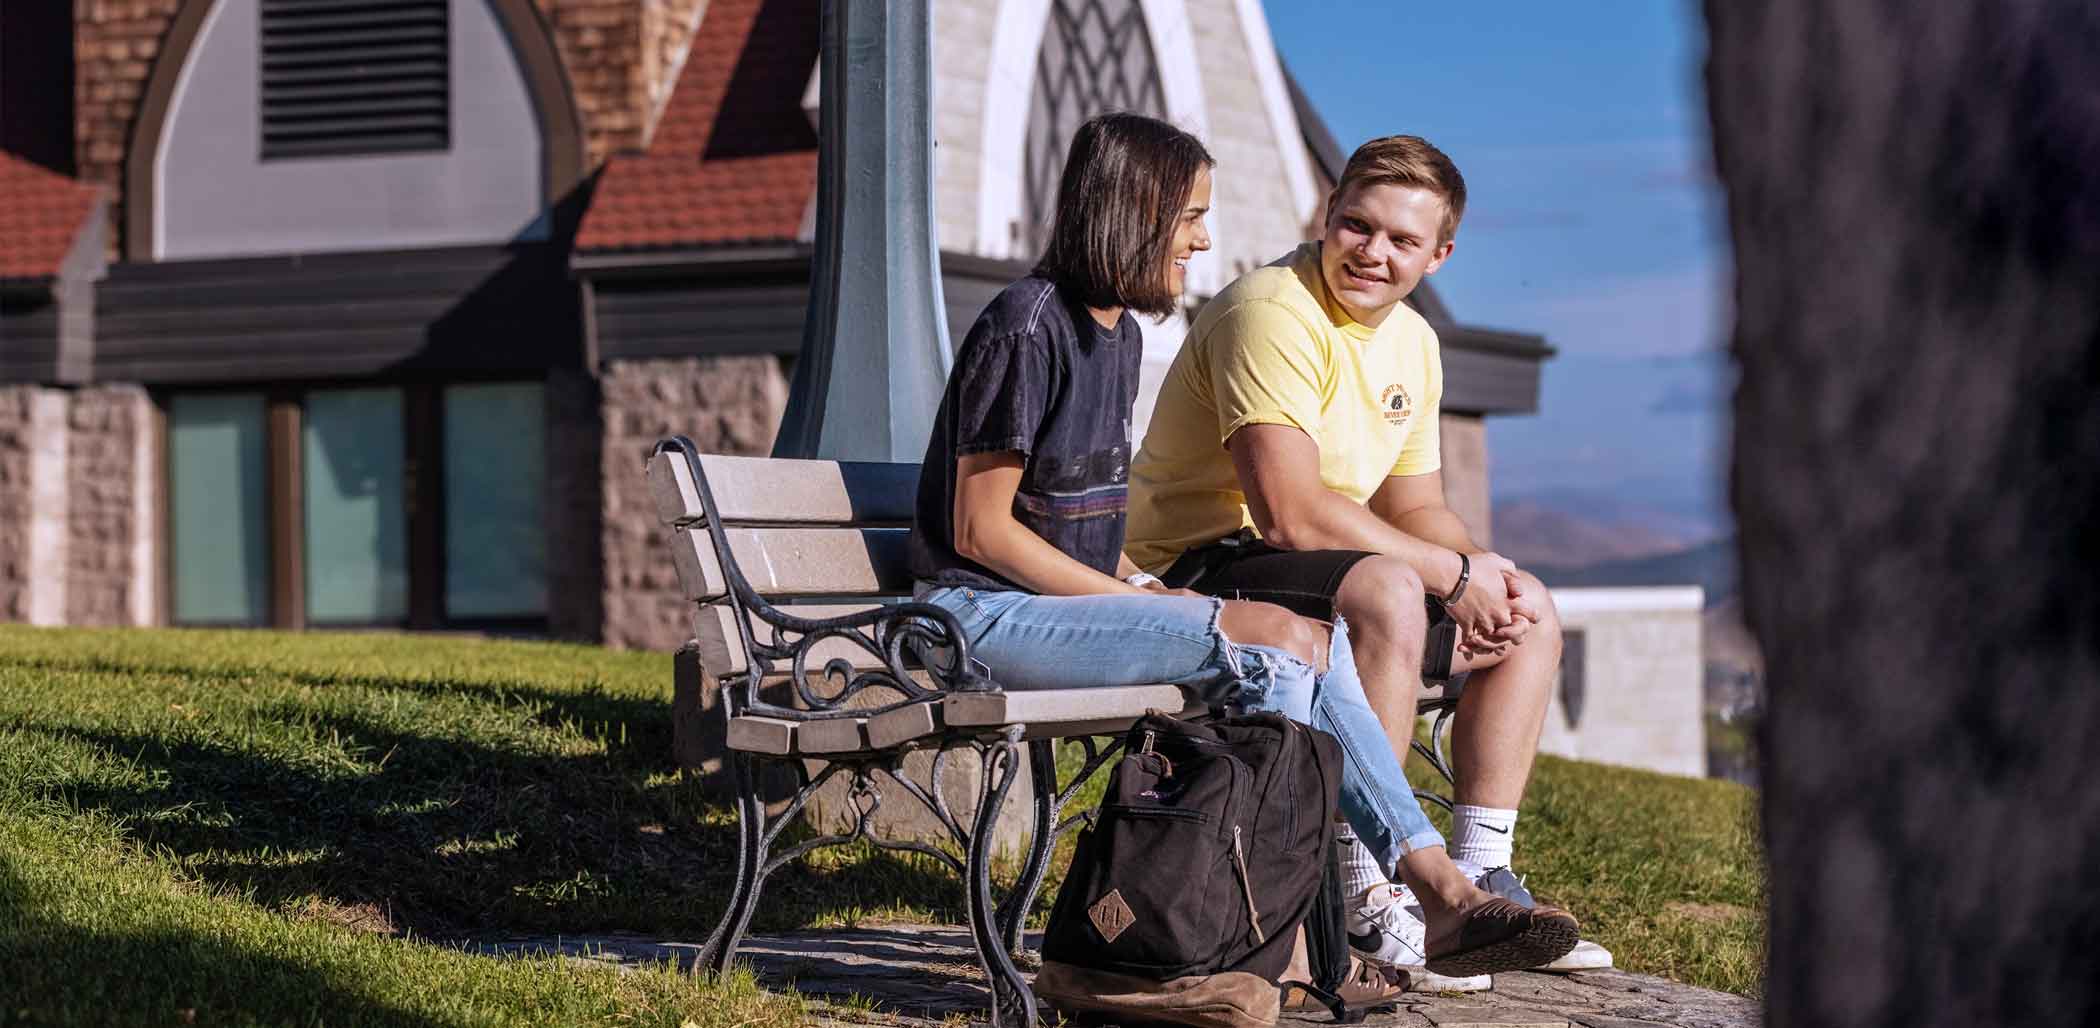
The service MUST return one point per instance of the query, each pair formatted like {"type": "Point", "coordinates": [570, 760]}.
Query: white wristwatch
{"type": "Point", "coordinates": [1143, 579]}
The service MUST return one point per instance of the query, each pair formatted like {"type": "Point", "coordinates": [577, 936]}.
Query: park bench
{"type": "Point", "coordinates": [803, 620]}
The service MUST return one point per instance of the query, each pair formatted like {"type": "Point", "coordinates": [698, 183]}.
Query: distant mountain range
{"type": "Point", "coordinates": [1710, 565]}
{"type": "Point", "coordinates": [1575, 530]}
{"type": "Point", "coordinates": [1580, 538]}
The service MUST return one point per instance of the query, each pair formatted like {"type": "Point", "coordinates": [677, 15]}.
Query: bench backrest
{"type": "Point", "coordinates": [796, 528]}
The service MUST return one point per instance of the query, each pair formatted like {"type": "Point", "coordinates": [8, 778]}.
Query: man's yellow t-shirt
{"type": "Point", "coordinates": [1274, 348]}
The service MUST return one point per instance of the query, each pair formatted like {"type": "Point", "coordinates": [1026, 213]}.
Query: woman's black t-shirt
{"type": "Point", "coordinates": [1039, 376]}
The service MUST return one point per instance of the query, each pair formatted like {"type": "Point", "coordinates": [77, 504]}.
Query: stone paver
{"type": "Point", "coordinates": [914, 975]}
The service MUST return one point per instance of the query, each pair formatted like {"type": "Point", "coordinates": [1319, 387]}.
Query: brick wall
{"type": "Point", "coordinates": [726, 405]}
{"type": "Point", "coordinates": [667, 30]}
{"type": "Point", "coordinates": [114, 44]}
{"type": "Point", "coordinates": [622, 57]}
{"type": "Point", "coordinates": [600, 42]}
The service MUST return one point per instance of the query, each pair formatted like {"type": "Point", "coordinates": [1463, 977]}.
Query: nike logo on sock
{"type": "Point", "coordinates": [1492, 828]}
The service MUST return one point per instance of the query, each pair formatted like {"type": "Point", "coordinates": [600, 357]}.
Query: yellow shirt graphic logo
{"type": "Point", "coordinates": [1394, 404]}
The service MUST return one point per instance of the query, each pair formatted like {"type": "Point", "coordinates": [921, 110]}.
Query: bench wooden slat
{"type": "Point", "coordinates": [804, 492]}
{"type": "Point", "coordinates": [752, 734]}
{"type": "Point", "coordinates": [671, 484]}
{"type": "Point", "coordinates": [792, 562]}
{"type": "Point", "coordinates": [1099, 726]}
{"type": "Point", "coordinates": [904, 724]}
{"type": "Point", "coordinates": [832, 735]}
{"type": "Point", "coordinates": [1048, 706]}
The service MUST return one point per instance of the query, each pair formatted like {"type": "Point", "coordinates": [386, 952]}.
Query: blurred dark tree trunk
{"type": "Point", "coordinates": [1914, 199]}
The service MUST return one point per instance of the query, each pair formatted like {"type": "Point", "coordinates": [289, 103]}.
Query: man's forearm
{"type": "Point", "coordinates": [1438, 525]}
{"type": "Point", "coordinates": [1334, 522]}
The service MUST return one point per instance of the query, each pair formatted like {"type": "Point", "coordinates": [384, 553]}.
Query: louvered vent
{"type": "Point", "coordinates": [354, 77]}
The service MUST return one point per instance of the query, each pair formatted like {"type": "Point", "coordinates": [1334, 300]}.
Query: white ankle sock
{"type": "Point", "coordinates": [1482, 836]}
{"type": "Point", "coordinates": [1360, 870]}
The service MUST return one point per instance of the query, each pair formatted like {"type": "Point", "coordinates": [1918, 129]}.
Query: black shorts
{"type": "Point", "coordinates": [1242, 567]}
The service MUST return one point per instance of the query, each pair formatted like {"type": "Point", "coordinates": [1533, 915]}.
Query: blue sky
{"type": "Point", "coordinates": [1592, 215]}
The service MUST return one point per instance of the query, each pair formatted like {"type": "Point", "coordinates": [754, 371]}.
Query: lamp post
{"type": "Point", "coordinates": [875, 351]}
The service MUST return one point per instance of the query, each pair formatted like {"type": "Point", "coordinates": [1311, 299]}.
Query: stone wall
{"type": "Point", "coordinates": [1466, 473]}
{"type": "Point", "coordinates": [32, 504]}
{"type": "Point", "coordinates": [79, 499]}
{"type": "Point", "coordinates": [726, 405]}
{"type": "Point", "coordinates": [112, 553]}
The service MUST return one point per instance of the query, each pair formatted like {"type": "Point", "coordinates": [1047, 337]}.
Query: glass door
{"type": "Point", "coordinates": [356, 525]}
{"type": "Point", "coordinates": [218, 510]}
{"type": "Point", "coordinates": [495, 478]}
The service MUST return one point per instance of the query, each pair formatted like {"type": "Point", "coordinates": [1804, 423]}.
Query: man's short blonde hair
{"type": "Point", "coordinates": [1406, 161]}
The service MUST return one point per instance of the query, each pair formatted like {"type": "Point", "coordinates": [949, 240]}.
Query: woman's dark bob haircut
{"type": "Point", "coordinates": [1127, 179]}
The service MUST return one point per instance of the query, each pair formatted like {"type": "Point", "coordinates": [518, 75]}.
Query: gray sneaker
{"type": "Point", "coordinates": [1507, 884]}
{"type": "Point", "coordinates": [1586, 956]}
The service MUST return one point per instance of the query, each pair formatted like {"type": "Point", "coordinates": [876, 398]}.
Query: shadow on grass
{"type": "Point", "coordinates": [647, 720]}
{"type": "Point", "coordinates": [64, 974]}
{"type": "Point", "coordinates": [452, 837]}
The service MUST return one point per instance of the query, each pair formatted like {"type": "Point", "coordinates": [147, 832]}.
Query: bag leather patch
{"type": "Point", "coordinates": [1111, 916]}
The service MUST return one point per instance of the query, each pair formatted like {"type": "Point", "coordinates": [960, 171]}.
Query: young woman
{"type": "Point", "coordinates": [1020, 518]}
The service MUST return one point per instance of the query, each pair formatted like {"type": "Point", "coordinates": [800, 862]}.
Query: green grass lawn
{"type": "Point", "coordinates": [266, 827]}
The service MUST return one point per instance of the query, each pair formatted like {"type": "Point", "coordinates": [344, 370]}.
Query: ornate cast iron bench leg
{"type": "Point", "coordinates": [752, 837]}
{"type": "Point", "coordinates": [1013, 1004]}
{"type": "Point", "coordinates": [1042, 838]}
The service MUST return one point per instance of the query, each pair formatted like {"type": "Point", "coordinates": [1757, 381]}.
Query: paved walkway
{"type": "Point", "coordinates": [911, 975]}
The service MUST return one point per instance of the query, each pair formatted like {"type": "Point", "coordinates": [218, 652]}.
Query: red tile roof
{"type": "Point", "coordinates": [734, 159]}
{"type": "Point", "coordinates": [41, 214]}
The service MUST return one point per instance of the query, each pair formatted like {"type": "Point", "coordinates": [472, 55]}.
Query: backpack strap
{"type": "Point", "coordinates": [1327, 942]}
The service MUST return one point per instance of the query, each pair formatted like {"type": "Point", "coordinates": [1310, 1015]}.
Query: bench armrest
{"type": "Point", "coordinates": [901, 637]}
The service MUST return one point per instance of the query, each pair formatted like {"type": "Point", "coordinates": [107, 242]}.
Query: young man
{"type": "Point", "coordinates": [1293, 457]}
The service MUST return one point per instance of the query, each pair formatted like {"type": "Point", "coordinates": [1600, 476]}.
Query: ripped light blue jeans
{"type": "Point", "coordinates": [1028, 641]}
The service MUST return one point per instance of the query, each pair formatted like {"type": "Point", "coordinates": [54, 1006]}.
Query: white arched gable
{"type": "Point", "coordinates": [1016, 38]}
{"type": "Point", "coordinates": [214, 195]}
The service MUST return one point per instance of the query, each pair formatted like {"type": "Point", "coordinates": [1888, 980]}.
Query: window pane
{"type": "Point", "coordinates": [356, 522]}
{"type": "Point", "coordinates": [495, 478]}
{"type": "Point", "coordinates": [218, 508]}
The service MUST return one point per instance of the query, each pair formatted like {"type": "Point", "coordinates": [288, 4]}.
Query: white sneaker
{"type": "Point", "coordinates": [1586, 956]}
{"type": "Point", "coordinates": [1387, 928]}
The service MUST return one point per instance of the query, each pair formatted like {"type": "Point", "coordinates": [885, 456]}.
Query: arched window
{"type": "Point", "coordinates": [1096, 56]}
